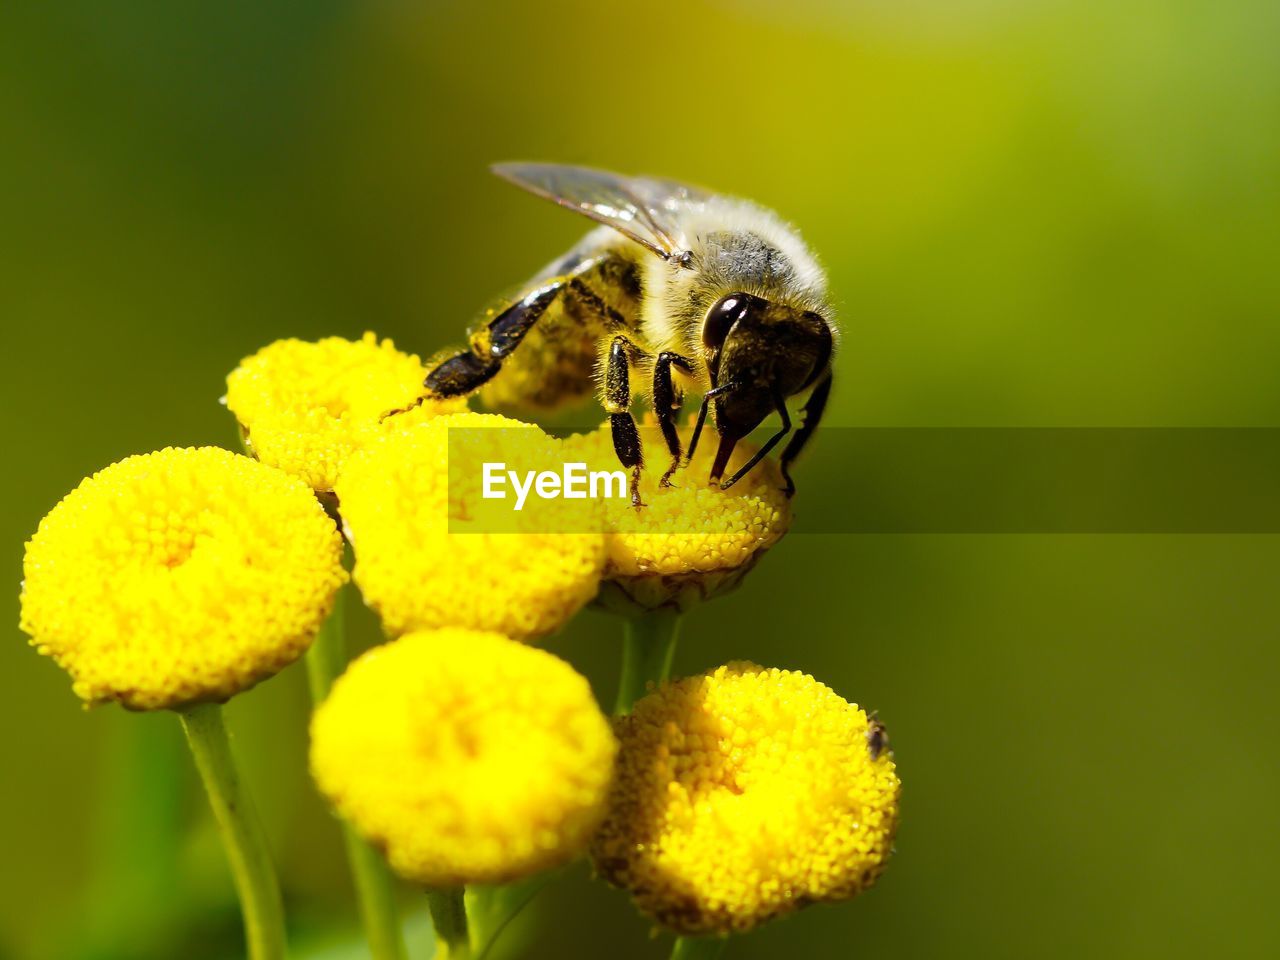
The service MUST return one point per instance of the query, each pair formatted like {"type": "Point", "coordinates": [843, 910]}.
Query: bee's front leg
{"type": "Point", "coordinates": [780, 404]}
{"type": "Point", "coordinates": [617, 402]}
{"type": "Point", "coordinates": [813, 408]}
{"type": "Point", "coordinates": [666, 404]}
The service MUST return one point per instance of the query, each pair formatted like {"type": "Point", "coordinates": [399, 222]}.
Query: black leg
{"type": "Point", "coordinates": [617, 402]}
{"type": "Point", "coordinates": [813, 408]}
{"type": "Point", "coordinates": [507, 329]}
{"type": "Point", "coordinates": [626, 444]}
{"type": "Point", "coordinates": [702, 414]}
{"type": "Point", "coordinates": [461, 374]}
{"type": "Point", "coordinates": [469, 370]}
{"type": "Point", "coordinates": [666, 404]}
{"type": "Point", "coordinates": [772, 442]}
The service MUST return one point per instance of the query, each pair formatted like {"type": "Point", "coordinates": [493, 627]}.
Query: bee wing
{"type": "Point", "coordinates": [639, 208]}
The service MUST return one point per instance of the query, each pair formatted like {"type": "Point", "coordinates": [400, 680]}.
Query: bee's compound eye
{"type": "Point", "coordinates": [721, 318]}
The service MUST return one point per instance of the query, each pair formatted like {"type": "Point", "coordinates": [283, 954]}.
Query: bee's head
{"type": "Point", "coordinates": [760, 352]}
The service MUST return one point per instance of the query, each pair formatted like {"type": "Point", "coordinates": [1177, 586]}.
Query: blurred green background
{"type": "Point", "coordinates": [1034, 213]}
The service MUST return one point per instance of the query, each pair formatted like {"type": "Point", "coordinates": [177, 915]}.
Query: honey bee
{"type": "Point", "coordinates": [678, 286]}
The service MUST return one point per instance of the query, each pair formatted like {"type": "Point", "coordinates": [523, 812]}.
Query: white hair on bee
{"type": "Point", "coordinates": [776, 239]}
{"type": "Point", "coordinates": [735, 246]}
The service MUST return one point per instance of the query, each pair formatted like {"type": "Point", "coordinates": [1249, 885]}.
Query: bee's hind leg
{"type": "Point", "coordinates": [666, 404]}
{"type": "Point", "coordinates": [471, 369]}
{"type": "Point", "coordinates": [617, 402]}
{"type": "Point", "coordinates": [466, 372]}
{"type": "Point", "coordinates": [460, 375]}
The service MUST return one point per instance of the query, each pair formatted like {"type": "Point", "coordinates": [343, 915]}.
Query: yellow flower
{"type": "Point", "coordinates": [691, 541]}
{"type": "Point", "coordinates": [400, 501]}
{"type": "Point", "coordinates": [306, 407]}
{"type": "Point", "coordinates": [466, 757]}
{"type": "Point", "coordinates": [179, 576]}
{"type": "Point", "coordinates": [744, 794]}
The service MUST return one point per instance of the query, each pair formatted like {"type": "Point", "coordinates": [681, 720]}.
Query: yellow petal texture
{"type": "Point", "coordinates": [180, 576]}
{"type": "Point", "coordinates": [306, 407]}
{"type": "Point", "coordinates": [466, 757]}
{"type": "Point", "coordinates": [397, 499]}
{"type": "Point", "coordinates": [690, 541]}
{"type": "Point", "coordinates": [744, 794]}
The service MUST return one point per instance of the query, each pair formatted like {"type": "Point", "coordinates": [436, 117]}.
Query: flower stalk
{"type": "Point", "coordinates": [449, 917]}
{"type": "Point", "coordinates": [649, 644]}
{"type": "Point", "coordinates": [242, 834]}
{"type": "Point", "coordinates": [375, 888]}
{"type": "Point", "coordinates": [491, 909]}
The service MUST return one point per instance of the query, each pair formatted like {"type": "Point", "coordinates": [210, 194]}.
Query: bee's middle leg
{"type": "Point", "coordinates": [617, 403]}
{"type": "Point", "coordinates": [666, 404]}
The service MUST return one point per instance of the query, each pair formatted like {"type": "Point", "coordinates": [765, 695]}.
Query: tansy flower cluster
{"type": "Point", "coordinates": [743, 794]}
{"type": "Point", "coordinates": [179, 576]}
{"type": "Point", "coordinates": [693, 541]}
{"type": "Point", "coordinates": [422, 559]}
{"type": "Point", "coordinates": [467, 757]}
{"type": "Point", "coordinates": [306, 407]}
{"type": "Point", "coordinates": [455, 749]}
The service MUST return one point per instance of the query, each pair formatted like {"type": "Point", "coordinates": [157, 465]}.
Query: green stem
{"type": "Point", "coordinates": [375, 888]}
{"type": "Point", "coordinates": [327, 657]}
{"type": "Point", "coordinates": [698, 948]}
{"type": "Point", "coordinates": [242, 835]}
{"type": "Point", "coordinates": [649, 643]}
{"type": "Point", "coordinates": [491, 909]}
{"type": "Point", "coordinates": [449, 917]}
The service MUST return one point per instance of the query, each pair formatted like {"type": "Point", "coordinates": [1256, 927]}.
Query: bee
{"type": "Point", "coordinates": [877, 736]}
{"type": "Point", "coordinates": [677, 286]}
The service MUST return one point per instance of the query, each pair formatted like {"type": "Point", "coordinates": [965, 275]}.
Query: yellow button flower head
{"type": "Point", "coordinates": [179, 576]}
{"type": "Point", "coordinates": [691, 541]}
{"type": "Point", "coordinates": [306, 407]}
{"type": "Point", "coordinates": [397, 500]}
{"type": "Point", "coordinates": [744, 794]}
{"type": "Point", "coordinates": [466, 757]}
